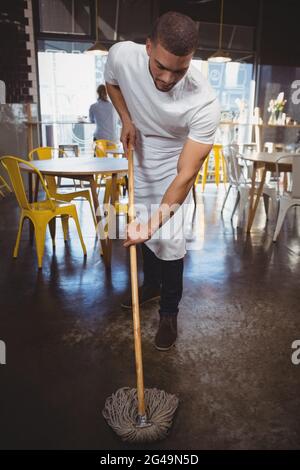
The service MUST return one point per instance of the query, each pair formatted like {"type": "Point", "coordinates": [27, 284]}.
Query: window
{"type": "Point", "coordinates": [68, 80]}
{"type": "Point", "coordinates": [232, 82]}
{"type": "Point", "coordinates": [235, 88]}
{"type": "Point", "coordinates": [236, 37]}
{"type": "Point", "coordinates": [65, 17]}
{"type": "Point", "coordinates": [129, 20]}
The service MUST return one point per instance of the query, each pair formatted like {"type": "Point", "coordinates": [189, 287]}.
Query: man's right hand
{"type": "Point", "coordinates": [128, 136]}
{"type": "Point", "coordinates": [128, 133]}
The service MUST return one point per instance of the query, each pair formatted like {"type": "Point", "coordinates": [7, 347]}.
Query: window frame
{"type": "Point", "coordinates": [64, 36]}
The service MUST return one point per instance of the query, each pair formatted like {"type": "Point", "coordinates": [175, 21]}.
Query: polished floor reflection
{"type": "Point", "coordinates": [69, 343]}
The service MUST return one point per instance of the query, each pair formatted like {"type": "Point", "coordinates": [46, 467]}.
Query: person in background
{"type": "Point", "coordinates": [103, 114]}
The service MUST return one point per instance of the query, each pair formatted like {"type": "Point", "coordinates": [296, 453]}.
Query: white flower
{"type": "Point", "coordinates": [280, 97]}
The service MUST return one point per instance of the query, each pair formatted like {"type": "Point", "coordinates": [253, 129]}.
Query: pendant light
{"type": "Point", "coordinates": [97, 48]}
{"type": "Point", "coordinates": [220, 55]}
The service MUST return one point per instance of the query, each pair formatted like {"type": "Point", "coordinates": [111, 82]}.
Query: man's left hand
{"type": "Point", "coordinates": [136, 233]}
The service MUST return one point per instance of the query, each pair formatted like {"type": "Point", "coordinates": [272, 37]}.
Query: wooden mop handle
{"type": "Point", "coordinates": [135, 295]}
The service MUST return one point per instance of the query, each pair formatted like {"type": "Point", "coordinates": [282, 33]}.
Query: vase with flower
{"type": "Point", "coordinates": [276, 108]}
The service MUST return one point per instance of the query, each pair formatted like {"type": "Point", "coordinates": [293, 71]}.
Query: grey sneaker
{"type": "Point", "coordinates": [146, 294]}
{"type": "Point", "coordinates": [167, 332]}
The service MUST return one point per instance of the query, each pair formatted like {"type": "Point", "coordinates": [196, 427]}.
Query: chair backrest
{"type": "Point", "coordinates": [272, 147]}
{"type": "Point", "coordinates": [46, 153]}
{"type": "Point", "coordinates": [65, 148]}
{"type": "Point", "coordinates": [12, 166]}
{"type": "Point", "coordinates": [41, 153]}
{"type": "Point", "coordinates": [295, 192]}
{"type": "Point", "coordinates": [235, 171]}
{"type": "Point", "coordinates": [217, 147]}
{"type": "Point", "coordinates": [102, 145]}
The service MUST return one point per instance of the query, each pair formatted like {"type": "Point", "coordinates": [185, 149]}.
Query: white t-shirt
{"type": "Point", "coordinates": [164, 120]}
{"type": "Point", "coordinates": [190, 109]}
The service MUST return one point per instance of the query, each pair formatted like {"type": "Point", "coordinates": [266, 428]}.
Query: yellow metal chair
{"type": "Point", "coordinates": [219, 161]}
{"type": "Point", "coordinates": [119, 206]}
{"type": "Point", "coordinates": [100, 150]}
{"type": "Point", "coordinates": [46, 153]}
{"type": "Point", "coordinates": [39, 213]}
{"type": "Point", "coordinates": [63, 151]}
{"type": "Point", "coordinates": [3, 184]}
{"type": "Point", "coordinates": [102, 147]}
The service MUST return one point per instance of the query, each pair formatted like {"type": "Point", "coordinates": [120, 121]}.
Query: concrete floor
{"type": "Point", "coordinates": [69, 344]}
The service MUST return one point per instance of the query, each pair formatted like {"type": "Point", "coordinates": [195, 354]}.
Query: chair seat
{"type": "Point", "coordinates": [71, 195]}
{"type": "Point", "coordinates": [121, 208]}
{"type": "Point", "coordinates": [46, 205]}
{"type": "Point", "coordinates": [267, 187]}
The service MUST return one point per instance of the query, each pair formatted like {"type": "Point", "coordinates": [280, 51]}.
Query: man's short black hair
{"type": "Point", "coordinates": [176, 32]}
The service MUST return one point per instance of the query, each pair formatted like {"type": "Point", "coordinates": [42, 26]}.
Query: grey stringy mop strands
{"type": "Point", "coordinates": [120, 412]}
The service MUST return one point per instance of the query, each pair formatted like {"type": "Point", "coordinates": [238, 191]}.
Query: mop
{"type": "Point", "coordinates": [138, 415]}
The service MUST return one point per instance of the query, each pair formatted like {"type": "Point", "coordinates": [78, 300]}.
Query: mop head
{"type": "Point", "coordinates": [121, 413]}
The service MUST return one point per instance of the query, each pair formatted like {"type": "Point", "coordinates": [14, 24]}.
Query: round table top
{"type": "Point", "coordinates": [79, 166]}
{"type": "Point", "coordinates": [266, 157]}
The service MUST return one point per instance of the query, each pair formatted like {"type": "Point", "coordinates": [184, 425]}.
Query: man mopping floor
{"type": "Point", "coordinates": [169, 115]}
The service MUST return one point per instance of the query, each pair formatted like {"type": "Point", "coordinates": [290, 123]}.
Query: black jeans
{"type": "Point", "coordinates": [166, 275]}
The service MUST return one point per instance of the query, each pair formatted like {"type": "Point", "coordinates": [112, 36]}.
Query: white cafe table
{"type": "Point", "coordinates": [265, 161]}
{"type": "Point", "coordinates": [85, 169]}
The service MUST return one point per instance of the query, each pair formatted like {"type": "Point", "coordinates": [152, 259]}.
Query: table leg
{"type": "Point", "coordinates": [253, 207]}
{"type": "Point", "coordinates": [112, 214]}
{"type": "Point", "coordinates": [36, 189]}
{"type": "Point", "coordinates": [217, 166]}
{"type": "Point", "coordinates": [205, 171]}
{"type": "Point", "coordinates": [52, 228]}
{"type": "Point", "coordinates": [100, 228]}
{"type": "Point", "coordinates": [30, 199]}
{"type": "Point", "coordinates": [30, 194]}
{"type": "Point", "coordinates": [224, 170]}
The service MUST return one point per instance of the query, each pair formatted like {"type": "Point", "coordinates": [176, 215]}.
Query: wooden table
{"type": "Point", "coordinates": [265, 162]}
{"type": "Point", "coordinates": [85, 169]}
